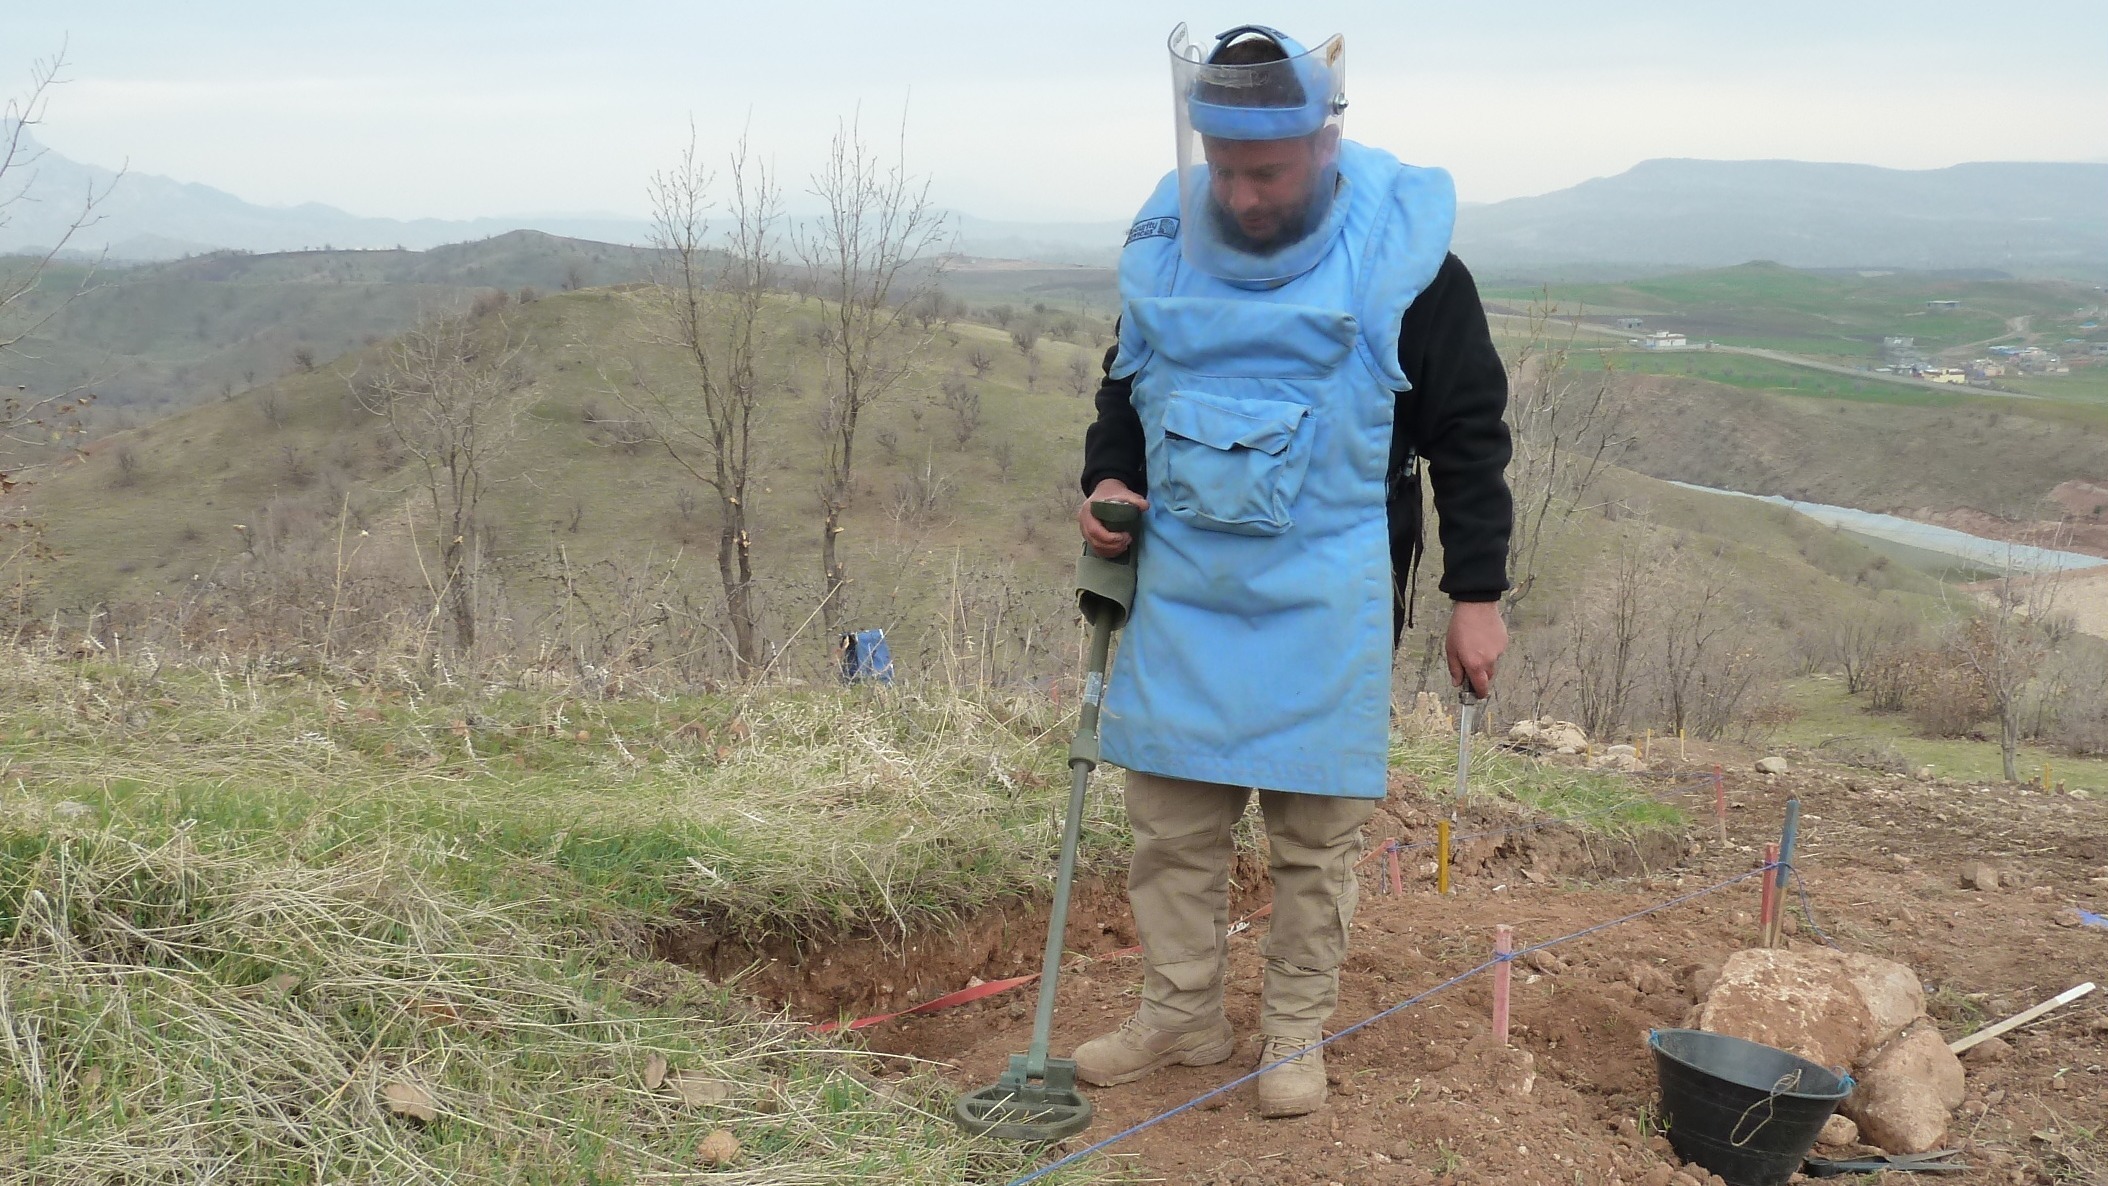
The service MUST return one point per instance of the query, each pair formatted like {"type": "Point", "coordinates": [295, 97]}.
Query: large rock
{"type": "Point", "coordinates": [1906, 1092]}
{"type": "Point", "coordinates": [1826, 1006]}
{"type": "Point", "coordinates": [1771, 765]}
{"type": "Point", "coordinates": [1547, 734]}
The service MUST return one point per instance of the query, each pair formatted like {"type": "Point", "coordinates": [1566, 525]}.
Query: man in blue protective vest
{"type": "Point", "coordinates": [1294, 338]}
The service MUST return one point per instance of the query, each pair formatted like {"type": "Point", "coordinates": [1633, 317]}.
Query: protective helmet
{"type": "Point", "coordinates": [1259, 123]}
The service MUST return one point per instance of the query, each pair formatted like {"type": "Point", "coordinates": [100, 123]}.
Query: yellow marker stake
{"type": "Point", "coordinates": [1442, 856]}
{"type": "Point", "coordinates": [1644, 742]}
{"type": "Point", "coordinates": [1679, 745]}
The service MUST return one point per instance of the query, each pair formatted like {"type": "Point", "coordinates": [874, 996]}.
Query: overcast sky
{"type": "Point", "coordinates": [1051, 110]}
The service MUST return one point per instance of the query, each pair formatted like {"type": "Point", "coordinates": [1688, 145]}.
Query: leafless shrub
{"type": "Point", "coordinates": [964, 403]}
{"type": "Point", "coordinates": [1004, 453]}
{"type": "Point", "coordinates": [1025, 336]}
{"type": "Point", "coordinates": [1082, 377]}
{"type": "Point", "coordinates": [979, 360]}
{"type": "Point", "coordinates": [918, 495]}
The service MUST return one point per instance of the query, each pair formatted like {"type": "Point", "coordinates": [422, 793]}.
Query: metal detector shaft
{"type": "Point", "coordinates": [1467, 709]}
{"type": "Point", "coordinates": [1083, 758]}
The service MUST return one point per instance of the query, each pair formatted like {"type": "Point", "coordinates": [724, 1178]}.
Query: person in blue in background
{"type": "Point", "coordinates": [1295, 340]}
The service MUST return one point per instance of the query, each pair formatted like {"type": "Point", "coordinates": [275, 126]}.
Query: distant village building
{"type": "Point", "coordinates": [2099, 350]}
{"type": "Point", "coordinates": [1984, 368]}
{"type": "Point", "coordinates": [1944, 375]}
{"type": "Point", "coordinates": [1943, 306]}
{"type": "Point", "coordinates": [1630, 323]}
{"type": "Point", "coordinates": [1663, 339]}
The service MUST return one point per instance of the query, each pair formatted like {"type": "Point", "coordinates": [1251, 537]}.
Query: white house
{"type": "Point", "coordinates": [1663, 339]}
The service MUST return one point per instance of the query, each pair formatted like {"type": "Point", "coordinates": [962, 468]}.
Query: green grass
{"type": "Point", "coordinates": [236, 908]}
{"type": "Point", "coordinates": [1830, 721]}
{"type": "Point", "coordinates": [1605, 803]}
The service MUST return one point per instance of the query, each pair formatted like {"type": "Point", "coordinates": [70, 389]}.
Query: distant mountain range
{"type": "Point", "coordinates": [2030, 219]}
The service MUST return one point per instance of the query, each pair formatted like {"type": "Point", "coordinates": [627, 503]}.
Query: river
{"type": "Point", "coordinates": [1974, 549]}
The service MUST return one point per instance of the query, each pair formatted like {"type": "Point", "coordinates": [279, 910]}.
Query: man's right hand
{"type": "Point", "coordinates": [1107, 543]}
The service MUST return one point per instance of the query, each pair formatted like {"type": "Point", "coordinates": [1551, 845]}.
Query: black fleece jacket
{"type": "Point", "coordinates": [1452, 418]}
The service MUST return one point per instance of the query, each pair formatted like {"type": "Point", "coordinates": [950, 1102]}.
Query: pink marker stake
{"type": "Point", "coordinates": [1503, 943]}
{"type": "Point", "coordinates": [1390, 857]}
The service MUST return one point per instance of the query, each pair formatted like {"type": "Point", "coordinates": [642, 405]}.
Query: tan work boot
{"type": "Point", "coordinates": [1135, 1049]}
{"type": "Point", "coordinates": [1295, 1088]}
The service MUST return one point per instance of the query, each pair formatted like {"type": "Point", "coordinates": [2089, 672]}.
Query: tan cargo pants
{"type": "Point", "coordinates": [1179, 885]}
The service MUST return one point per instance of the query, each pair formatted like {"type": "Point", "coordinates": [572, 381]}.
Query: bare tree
{"type": "Point", "coordinates": [2007, 644]}
{"type": "Point", "coordinates": [712, 300]}
{"type": "Point", "coordinates": [1607, 650]}
{"type": "Point", "coordinates": [32, 421]}
{"type": "Point", "coordinates": [1565, 432]}
{"type": "Point", "coordinates": [866, 249]}
{"type": "Point", "coordinates": [449, 393]}
{"type": "Point", "coordinates": [1858, 639]}
{"type": "Point", "coordinates": [1082, 377]}
{"type": "Point", "coordinates": [21, 277]}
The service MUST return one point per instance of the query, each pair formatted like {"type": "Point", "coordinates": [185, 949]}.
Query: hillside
{"type": "Point", "coordinates": [960, 540]}
{"type": "Point", "coordinates": [2018, 217]}
{"type": "Point", "coordinates": [155, 337]}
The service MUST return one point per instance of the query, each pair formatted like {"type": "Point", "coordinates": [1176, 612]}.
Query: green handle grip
{"type": "Point", "coordinates": [1115, 514]}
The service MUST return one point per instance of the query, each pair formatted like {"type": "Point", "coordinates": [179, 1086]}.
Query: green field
{"type": "Point", "coordinates": [1825, 315]}
{"type": "Point", "coordinates": [1833, 725]}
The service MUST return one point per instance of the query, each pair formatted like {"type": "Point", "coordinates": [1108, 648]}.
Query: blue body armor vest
{"type": "Point", "coordinates": [1259, 650]}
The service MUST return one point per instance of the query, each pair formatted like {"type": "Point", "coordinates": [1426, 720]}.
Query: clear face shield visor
{"type": "Point", "coordinates": [1258, 156]}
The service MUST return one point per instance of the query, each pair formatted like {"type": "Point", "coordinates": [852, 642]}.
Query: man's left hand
{"type": "Point", "coordinates": [1477, 637]}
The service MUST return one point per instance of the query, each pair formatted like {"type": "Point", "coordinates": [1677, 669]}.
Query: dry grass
{"type": "Point", "coordinates": [180, 1012]}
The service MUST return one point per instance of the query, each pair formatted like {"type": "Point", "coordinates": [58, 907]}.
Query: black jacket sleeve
{"type": "Point", "coordinates": [1112, 446]}
{"type": "Point", "coordinates": [1452, 418]}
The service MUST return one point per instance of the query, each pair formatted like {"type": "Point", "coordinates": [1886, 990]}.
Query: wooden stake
{"type": "Point", "coordinates": [1645, 739]}
{"type": "Point", "coordinates": [1680, 755]}
{"type": "Point", "coordinates": [2022, 1018]}
{"type": "Point", "coordinates": [1390, 861]}
{"type": "Point", "coordinates": [1503, 944]}
{"type": "Point", "coordinates": [1720, 800]}
{"type": "Point", "coordinates": [1442, 856]}
{"type": "Point", "coordinates": [1769, 899]}
{"type": "Point", "coordinates": [1787, 834]}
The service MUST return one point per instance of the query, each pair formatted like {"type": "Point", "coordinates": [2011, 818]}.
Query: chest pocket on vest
{"type": "Point", "coordinates": [1233, 465]}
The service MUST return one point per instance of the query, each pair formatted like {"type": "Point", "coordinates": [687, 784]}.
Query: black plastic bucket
{"type": "Point", "coordinates": [1743, 1110]}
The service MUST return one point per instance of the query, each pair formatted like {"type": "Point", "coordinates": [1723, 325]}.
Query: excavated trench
{"type": "Point", "coordinates": [855, 975]}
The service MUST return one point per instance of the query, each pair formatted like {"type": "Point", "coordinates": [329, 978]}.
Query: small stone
{"type": "Point", "coordinates": [68, 809]}
{"type": "Point", "coordinates": [719, 1148]}
{"type": "Point", "coordinates": [1658, 1176]}
{"type": "Point", "coordinates": [1988, 1051]}
{"type": "Point", "coordinates": [1838, 1131]}
{"type": "Point", "coordinates": [1979, 875]}
{"type": "Point", "coordinates": [1772, 764]}
{"type": "Point", "coordinates": [1685, 1177]}
{"type": "Point", "coordinates": [1923, 774]}
{"type": "Point", "coordinates": [2068, 917]}
{"type": "Point", "coordinates": [2041, 893]}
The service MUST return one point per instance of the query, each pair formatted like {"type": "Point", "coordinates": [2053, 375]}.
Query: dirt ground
{"type": "Point", "coordinates": [1425, 1096]}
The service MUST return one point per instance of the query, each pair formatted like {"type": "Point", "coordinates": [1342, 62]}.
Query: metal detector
{"type": "Point", "coordinates": [1036, 1099]}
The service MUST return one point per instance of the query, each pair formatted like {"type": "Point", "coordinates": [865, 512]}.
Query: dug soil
{"type": "Point", "coordinates": [1427, 1096]}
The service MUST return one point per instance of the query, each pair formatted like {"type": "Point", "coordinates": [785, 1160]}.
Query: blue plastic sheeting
{"type": "Point", "coordinates": [865, 658]}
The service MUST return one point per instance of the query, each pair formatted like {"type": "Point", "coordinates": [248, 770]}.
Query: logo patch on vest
{"type": "Point", "coordinates": [1153, 228]}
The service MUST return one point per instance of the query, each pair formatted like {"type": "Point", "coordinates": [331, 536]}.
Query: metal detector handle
{"type": "Point", "coordinates": [1118, 515]}
{"type": "Point", "coordinates": [1467, 708]}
